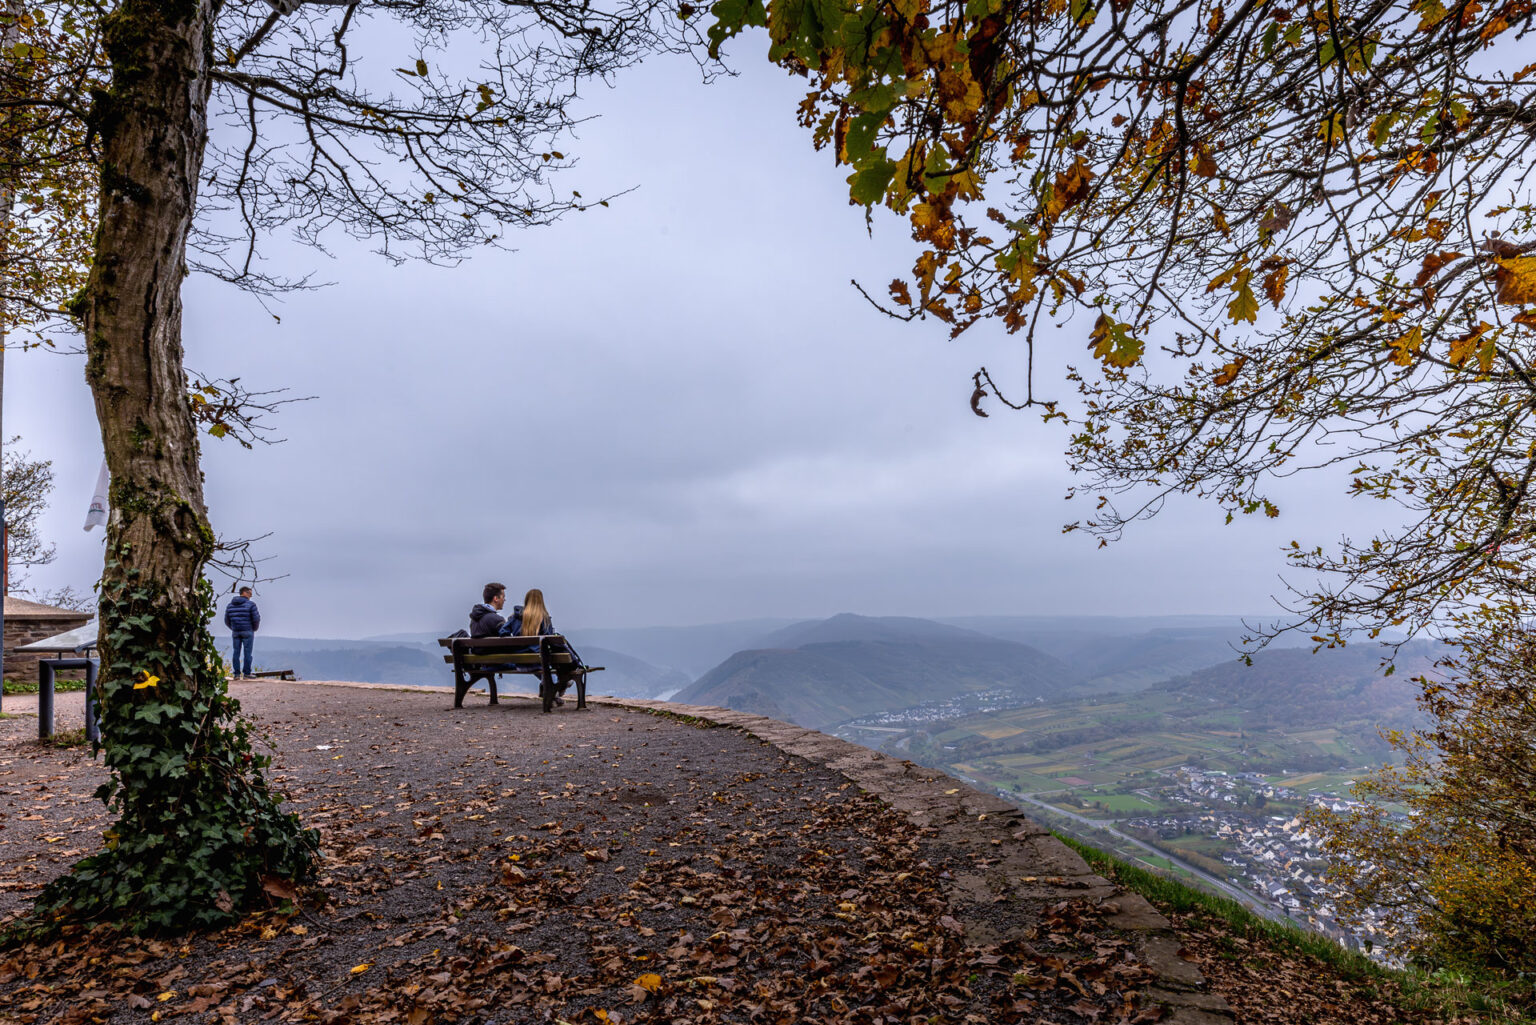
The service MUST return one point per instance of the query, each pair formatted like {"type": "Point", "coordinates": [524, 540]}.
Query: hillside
{"type": "Point", "coordinates": [1292, 712]}
{"type": "Point", "coordinates": [1122, 654]}
{"type": "Point", "coordinates": [1295, 687]}
{"type": "Point", "coordinates": [847, 626]}
{"type": "Point", "coordinates": [691, 650]}
{"type": "Point", "coordinates": [856, 667]}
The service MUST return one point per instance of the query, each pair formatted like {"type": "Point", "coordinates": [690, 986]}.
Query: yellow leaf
{"type": "Point", "coordinates": [148, 681]}
{"type": "Point", "coordinates": [169, 994]}
{"type": "Point", "coordinates": [1229, 372]}
{"type": "Point", "coordinates": [650, 982]}
{"type": "Point", "coordinates": [1246, 305]}
{"type": "Point", "coordinates": [1516, 280]}
{"type": "Point", "coordinates": [1331, 129]}
{"type": "Point", "coordinates": [1464, 347]}
{"type": "Point", "coordinates": [360, 969]}
{"type": "Point", "coordinates": [1113, 343]}
{"type": "Point", "coordinates": [1224, 278]}
{"type": "Point", "coordinates": [1406, 346]}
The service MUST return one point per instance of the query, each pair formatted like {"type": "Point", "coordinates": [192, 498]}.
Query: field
{"type": "Point", "coordinates": [1110, 758]}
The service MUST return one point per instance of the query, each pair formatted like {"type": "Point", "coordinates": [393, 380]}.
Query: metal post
{"type": "Point", "coordinates": [44, 699]}
{"type": "Point", "coordinates": [92, 726]}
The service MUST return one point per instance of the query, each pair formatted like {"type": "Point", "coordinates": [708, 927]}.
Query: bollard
{"type": "Point", "coordinates": [44, 699]}
{"type": "Point", "coordinates": [92, 723]}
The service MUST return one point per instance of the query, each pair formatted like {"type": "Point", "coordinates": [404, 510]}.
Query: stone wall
{"type": "Point", "coordinates": [33, 624]}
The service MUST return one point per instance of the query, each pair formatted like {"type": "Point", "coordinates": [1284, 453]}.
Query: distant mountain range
{"type": "Point", "coordinates": [822, 672]}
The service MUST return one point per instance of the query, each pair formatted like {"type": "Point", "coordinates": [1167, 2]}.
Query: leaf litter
{"type": "Point", "coordinates": [496, 865]}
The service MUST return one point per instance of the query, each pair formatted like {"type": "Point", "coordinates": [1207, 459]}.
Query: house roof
{"type": "Point", "coordinates": [20, 608]}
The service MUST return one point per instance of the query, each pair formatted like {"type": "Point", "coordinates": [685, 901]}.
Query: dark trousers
{"type": "Point", "coordinates": [242, 642]}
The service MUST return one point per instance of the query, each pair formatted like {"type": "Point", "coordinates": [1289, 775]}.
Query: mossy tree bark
{"type": "Point", "coordinates": [198, 832]}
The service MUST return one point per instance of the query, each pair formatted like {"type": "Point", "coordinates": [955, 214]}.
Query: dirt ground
{"type": "Point", "coordinates": [499, 865]}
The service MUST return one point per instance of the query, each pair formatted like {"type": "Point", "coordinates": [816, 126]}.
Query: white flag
{"type": "Point", "coordinates": [96, 516]}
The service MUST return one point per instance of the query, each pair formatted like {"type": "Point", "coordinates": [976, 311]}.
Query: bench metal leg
{"type": "Point", "coordinates": [581, 690]}
{"type": "Point", "coordinates": [490, 678]}
{"type": "Point", "coordinates": [460, 685]}
{"type": "Point", "coordinates": [44, 700]}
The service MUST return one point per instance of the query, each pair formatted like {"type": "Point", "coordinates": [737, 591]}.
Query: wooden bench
{"type": "Point", "coordinates": [277, 674]}
{"type": "Point", "coordinates": [485, 658]}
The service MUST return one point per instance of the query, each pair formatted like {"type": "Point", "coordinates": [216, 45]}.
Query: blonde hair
{"type": "Point", "coordinates": [535, 616]}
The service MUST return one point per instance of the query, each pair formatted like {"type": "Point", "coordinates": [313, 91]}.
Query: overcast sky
{"type": "Point", "coordinates": [713, 423]}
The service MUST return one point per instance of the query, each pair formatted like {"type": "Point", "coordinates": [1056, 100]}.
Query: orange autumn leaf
{"type": "Point", "coordinates": [1515, 280]}
{"type": "Point", "coordinates": [1071, 188]}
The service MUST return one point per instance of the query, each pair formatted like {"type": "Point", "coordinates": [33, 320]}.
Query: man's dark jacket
{"type": "Point", "coordinates": [484, 621]}
{"type": "Point", "coordinates": [242, 616]}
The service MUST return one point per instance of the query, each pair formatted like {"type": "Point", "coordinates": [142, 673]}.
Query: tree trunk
{"type": "Point", "coordinates": [152, 126]}
{"type": "Point", "coordinates": [198, 829]}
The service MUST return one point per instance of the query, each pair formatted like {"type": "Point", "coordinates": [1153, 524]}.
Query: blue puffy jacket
{"type": "Point", "coordinates": [242, 616]}
{"type": "Point", "coordinates": [514, 624]}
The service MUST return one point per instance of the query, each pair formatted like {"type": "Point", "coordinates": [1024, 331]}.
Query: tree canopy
{"type": "Point", "coordinates": [1289, 235]}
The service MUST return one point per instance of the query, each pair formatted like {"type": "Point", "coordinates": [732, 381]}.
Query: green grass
{"type": "Point", "coordinates": [1441, 992]}
{"type": "Point", "coordinates": [30, 686]}
{"type": "Point", "coordinates": [68, 738]}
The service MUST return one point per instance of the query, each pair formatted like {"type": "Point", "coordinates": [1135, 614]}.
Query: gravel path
{"type": "Point", "coordinates": [495, 864]}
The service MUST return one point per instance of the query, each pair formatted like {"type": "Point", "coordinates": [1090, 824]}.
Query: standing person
{"type": "Point", "coordinates": [485, 619]}
{"type": "Point", "coordinates": [243, 619]}
{"type": "Point", "coordinates": [530, 619]}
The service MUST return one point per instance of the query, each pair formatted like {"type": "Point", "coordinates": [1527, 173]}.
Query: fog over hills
{"type": "Point", "coordinates": [823, 672]}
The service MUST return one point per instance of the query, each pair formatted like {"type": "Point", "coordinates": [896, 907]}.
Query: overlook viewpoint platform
{"type": "Point", "coordinates": [641, 861]}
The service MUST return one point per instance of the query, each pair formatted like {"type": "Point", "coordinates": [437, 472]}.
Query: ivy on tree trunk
{"type": "Point", "coordinates": [199, 831]}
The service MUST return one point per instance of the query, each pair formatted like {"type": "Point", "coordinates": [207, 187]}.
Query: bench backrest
{"type": "Point", "coordinates": [489, 644]}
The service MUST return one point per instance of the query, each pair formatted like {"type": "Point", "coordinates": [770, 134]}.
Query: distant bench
{"type": "Point", "coordinates": [485, 658]}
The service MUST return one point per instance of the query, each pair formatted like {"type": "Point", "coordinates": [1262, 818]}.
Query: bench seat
{"type": "Point", "coordinates": [477, 658]}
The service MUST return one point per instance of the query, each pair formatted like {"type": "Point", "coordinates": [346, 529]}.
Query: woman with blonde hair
{"type": "Point", "coordinates": [530, 619]}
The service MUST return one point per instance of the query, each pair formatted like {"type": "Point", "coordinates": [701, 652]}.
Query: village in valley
{"type": "Point", "coordinates": [1219, 808]}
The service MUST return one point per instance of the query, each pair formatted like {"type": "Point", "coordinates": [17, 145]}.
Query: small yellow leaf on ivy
{"type": "Point", "coordinates": [148, 681]}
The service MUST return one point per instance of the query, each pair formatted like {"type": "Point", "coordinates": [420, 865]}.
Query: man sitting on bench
{"type": "Point", "coordinates": [485, 619]}
{"type": "Point", "coordinates": [530, 619]}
